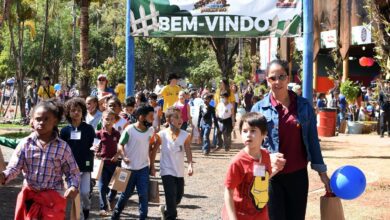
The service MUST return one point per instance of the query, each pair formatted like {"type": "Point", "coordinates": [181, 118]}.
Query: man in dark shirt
{"type": "Point", "coordinates": [384, 102]}
{"type": "Point", "coordinates": [205, 121]}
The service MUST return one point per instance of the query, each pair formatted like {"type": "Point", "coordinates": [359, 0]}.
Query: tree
{"type": "Point", "coordinates": [5, 12]}
{"type": "Point", "coordinates": [84, 41]}
{"type": "Point", "coordinates": [225, 49]}
{"type": "Point", "coordinates": [45, 28]}
{"type": "Point", "coordinates": [380, 14]}
{"type": "Point", "coordinates": [203, 68]}
{"type": "Point", "coordinates": [22, 15]}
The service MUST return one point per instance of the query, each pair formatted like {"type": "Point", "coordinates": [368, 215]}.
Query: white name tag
{"type": "Point", "coordinates": [75, 135]}
{"type": "Point", "coordinates": [258, 170]}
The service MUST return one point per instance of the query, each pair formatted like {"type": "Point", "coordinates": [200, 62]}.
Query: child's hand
{"type": "Point", "coordinates": [325, 180]}
{"type": "Point", "coordinates": [277, 162]}
{"type": "Point", "coordinates": [126, 160]}
{"type": "Point", "coordinates": [94, 148]}
{"type": "Point", "coordinates": [153, 171]}
{"type": "Point", "coordinates": [2, 178]}
{"type": "Point", "coordinates": [71, 193]}
{"type": "Point", "coordinates": [114, 159]}
{"type": "Point", "coordinates": [190, 170]}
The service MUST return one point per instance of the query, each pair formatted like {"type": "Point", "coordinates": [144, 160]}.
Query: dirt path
{"type": "Point", "coordinates": [203, 197]}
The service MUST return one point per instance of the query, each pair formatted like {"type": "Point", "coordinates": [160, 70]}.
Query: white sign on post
{"type": "Point", "coordinates": [361, 35]}
{"type": "Point", "coordinates": [329, 39]}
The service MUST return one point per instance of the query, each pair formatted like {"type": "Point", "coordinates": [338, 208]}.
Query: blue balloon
{"type": "Point", "coordinates": [57, 87]}
{"type": "Point", "coordinates": [348, 182]}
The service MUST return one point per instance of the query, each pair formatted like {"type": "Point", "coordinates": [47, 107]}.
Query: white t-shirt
{"type": "Point", "coordinates": [172, 153]}
{"type": "Point", "coordinates": [157, 109]}
{"type": "Point", "coordinates": [120, 125]}
{"type": "Point", "coordinates": [224, 111]}
{"type": "Point", "coordinates": [136, 147]}
{"type": "Point", "coordinates": [158, 88]}
{"type": "Point", "coordinates": [94, 119]}
{"type": "Point", "coordinates": [236, 97]}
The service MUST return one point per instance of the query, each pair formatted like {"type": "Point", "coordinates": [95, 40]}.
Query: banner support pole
{"type": "Point", "coordinates": [130, 73]}
{"type": "Point", "coordinates": [308, 50]}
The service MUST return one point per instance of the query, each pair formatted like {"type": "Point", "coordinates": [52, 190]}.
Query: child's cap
{"type": "Point", "coordinates": [102, 76]}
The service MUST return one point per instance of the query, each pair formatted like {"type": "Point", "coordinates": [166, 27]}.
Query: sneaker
{"type": "Point", "coordinates": [104, 213]}
{"type": "Point", "coordinates": [115, 215]}
{"type": "Point", "coordinates": [162, 211]}
{"type": "Point", "coordinates": [217, 148]}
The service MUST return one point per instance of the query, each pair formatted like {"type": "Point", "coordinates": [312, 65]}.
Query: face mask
{"type": "Point", "coordinates": [223, 100]}
{"type": "Point", "coordinates": [173, 128]}
{"type": "Point", "coordinates": [147, 124]}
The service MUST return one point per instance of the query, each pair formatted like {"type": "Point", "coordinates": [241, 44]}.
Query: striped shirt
{"type": "Point", "coordinates": [43, 168]}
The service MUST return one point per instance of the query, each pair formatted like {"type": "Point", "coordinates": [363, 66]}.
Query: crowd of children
{"type": "Point", "coordinates": [131, 133]}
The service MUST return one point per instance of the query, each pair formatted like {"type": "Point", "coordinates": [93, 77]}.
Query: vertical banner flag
{"type": "Point", "coordinates": [216, 18]}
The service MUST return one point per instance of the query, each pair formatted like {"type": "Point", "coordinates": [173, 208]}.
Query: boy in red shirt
{"type": "Point", "coordinates": [246, 183]}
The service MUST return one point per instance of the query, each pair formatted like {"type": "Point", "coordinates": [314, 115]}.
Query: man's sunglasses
{"type": "Point", "coordinates": [281, 77]}
{"type": "Point", "coordinates": [102, 79]}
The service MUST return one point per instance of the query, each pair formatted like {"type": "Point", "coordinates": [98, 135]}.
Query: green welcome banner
{"type": "Point", "coordinates": [218, 18]}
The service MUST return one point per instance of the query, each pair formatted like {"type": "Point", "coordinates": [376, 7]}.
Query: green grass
{"type": "Point", "coordinates": [5, 126]}
{"type": "Point", "coordinates": [16, 135]}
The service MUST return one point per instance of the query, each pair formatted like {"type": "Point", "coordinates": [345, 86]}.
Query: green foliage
{"type": "Point", "coordinates": [16, 135]}
{"type": "Point", "coordinates": [260, 90]}
{"type": "Point", "coordinates": [238, 79]}
{"type": "Point", "coordinates": [114, 68]}
{"type": "Point", "coordinates": [380, 32]}
{"type": "Point", "coordinates": [191, 58]}
{"type": "Point", "coordinates": [335, 72]}
{"type": "Point", "coordinates": [203, 70]}
{"type": "Point", "coordinates": [350, 90]}
{"type": "Point", "coordinates": [298, 58]}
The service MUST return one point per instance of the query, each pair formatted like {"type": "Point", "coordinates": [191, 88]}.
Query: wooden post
{"type": "Point", "coordinates": [345, 68]}
{"type": "Point", "coordinates": [315, 73]}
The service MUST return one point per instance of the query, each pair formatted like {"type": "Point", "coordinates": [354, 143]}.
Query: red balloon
{"type": "Point", "coordinates": [362, 61]}
{"type": "Point", "coordinates": [370, 61]}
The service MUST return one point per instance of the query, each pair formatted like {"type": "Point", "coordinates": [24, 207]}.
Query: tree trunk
{"type": "Point", "coordinates": [114, 29]}
{"type": "Point", "coordinates": [84, 40]}
{"type": "Point", "coordinates": [224, 54]}
{"type": "Point", "coordinates": [6, 8]}
{"type": "Point", "coordinates": [253, 53]}
{"type": "Point", "coordinates": [17, 53]}
{"type": "Point", "coordinates": [44, 36]}
{"type": "Point", "coordinates": [73, 70]}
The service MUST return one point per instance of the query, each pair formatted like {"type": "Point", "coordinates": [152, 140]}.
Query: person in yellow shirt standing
{"type": "Point", "coordinates": [170, 92]}
{"type": "Point", "coordinates": [120, 90]}
{"type": "Point", "coordinates": [224, 86]}
{"type": "Point", "coordinates": [46, 91]}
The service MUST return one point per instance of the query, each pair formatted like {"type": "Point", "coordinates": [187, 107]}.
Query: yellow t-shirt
{"type": "Point", "coordinates": [120, 91]}
{"type": "Point", "coordinates": [45, 93]}
{"type": "Point", "coordinates": [170, 95]}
